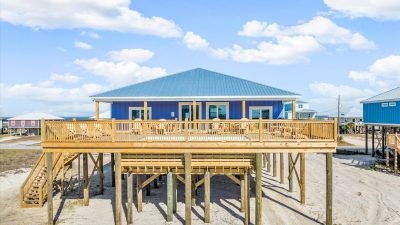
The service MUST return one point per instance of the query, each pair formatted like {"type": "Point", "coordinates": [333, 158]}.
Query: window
{"type": "Point", "coordinates": [22, 123]}
{"type": "Point", "coordinates": [33, 123]}
{"type": "Point", "coordinates": [392, 104]}
{"type": "Point", "coordinates": [12, 122]}
{"type": "Point", "coordinates": [385, 104]}
{"type": "Point", "coordinates": [138, 113]}
{"type": "Point", "coordinates": [218, 110]}
{"type": "Point", "coordinates": [264, 111]}
{"type": "Point", "coordinates": [300, 106]}
{"type": "Point", "coordinates": [186, 110]}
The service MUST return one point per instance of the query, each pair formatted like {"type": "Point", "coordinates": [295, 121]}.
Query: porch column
{"type": "Point", "coordinates": [243, 109]}
{"type": "Point", "coordinates": [97, 110]}
{"type": "Point", "coordinates": [293, 109]}
{"type": "Point", "coordinates": [145, 110]}
{"type": "Point", "coordinates": [194, 111]}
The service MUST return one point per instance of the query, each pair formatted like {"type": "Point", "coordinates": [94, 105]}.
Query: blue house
{"type": "Point", "coordinates": [215, 95]}
{"type": "Point", "coordinates": [383, 109]}
{"type": "Point", "coordinates": [381, 113]}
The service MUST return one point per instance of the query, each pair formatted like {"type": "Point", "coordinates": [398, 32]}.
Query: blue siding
{"type": "Point", "coordinates": [162, 110]}
{"type": "Point", "coordinates": [375, 113]}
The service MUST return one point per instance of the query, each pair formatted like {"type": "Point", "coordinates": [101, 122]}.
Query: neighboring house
{"type": "Point", "coordinates": [352, 116]}
{"type": "Point", "coordinates": [216, 95]}
{"type": "Point", "coordinates": [382, 112]}
{"type": "Point", "coordinates": [303, 110]}
{"type": "Point", "coordinates": [29, 123]}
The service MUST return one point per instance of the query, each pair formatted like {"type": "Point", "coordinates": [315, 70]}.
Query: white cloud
{"type": "Point", "coordinates": [82, 45]}
{"type": "Point", "coordinates": [379, 9]}
{"type": "Point", "coordinates": [321, 28]}
{"type": "Point", "coordinates": [327, 95]}
{"type": "Point", "coordinates": [287, 50]}
{"type": "Point", "coordinates": [66, 78]}
{"type": "Point", "coordinates": [91, 34]}
{"type": "Point", "coordinates": [382, 73]}
{"type": "Point", "coordinates": [61, 49]}
{"type": "Point", "coordinates": [123, 68]}
{"type": "Point", "coordinates": [194, 41]}
{"type": "Point", "coordinates": [97, 15]}
{"type": "Point", "coordinates": [135, 55]}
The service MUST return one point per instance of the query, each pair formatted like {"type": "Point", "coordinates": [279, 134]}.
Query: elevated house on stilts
{"type": "Point", "coordinates": [188, 126]}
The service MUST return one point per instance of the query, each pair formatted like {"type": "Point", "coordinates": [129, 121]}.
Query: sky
{"type": "Point", "coordinates": [55, 54]}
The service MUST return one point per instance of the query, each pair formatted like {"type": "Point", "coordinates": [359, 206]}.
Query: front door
{"type": "Point", "coordinates": [186, 111]}
{"type": "Point", "coordinates": [265, 112]}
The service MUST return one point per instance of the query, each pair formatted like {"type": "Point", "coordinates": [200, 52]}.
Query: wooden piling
{"type": "Point", "coordinates": [395, 160]}
{"type": "Point", "coordinates": [174, 193]}
{"type": "Point", "coordinates": [188, 189]}
{"type": "Point", "coordinates": [194, 190]}
{"type": "Point", "coordinates": [207, 197]}
{"type": "Point", "coordinates": [329, 182]}
{"type": "Point", "coordinates": [170, 198]}
{"type": "Point", "coordinates": [112, 170]}
{"type": "Point", "coordinates": [139, 192]}
{"type": "Point", "coordinates": [268, 162]}
{"type": "Point", "coordinates": [247, 197]}
{"type": "Point", "coordinates": [129, 186]}
{"type": "Point", "coordinates": [118, 189]}
{"type": "Point", "coordinates": [242, 193]}
{"type": "Point", "coordinates": [148, 188]}
{"type": "Point", "coordinates": [387, 158]}
{"type": "Point", "coordinates": [71, 183]}
{"type": "Point", "coordinates": [282, 168]}
{"type": "Point", "coordinates": [49, 157]}
{"type": "Point", "coordinates": [302, 179]}
{"type": "Point", "coordinates": [86, 180]}
{"type": "Point", "coordinates": [274, 167]}
{"type": "Point", "coordinates": [101, 173]}
{"type": "Point", "coordinates": [290, 177]}
{"type": "Point", "coordinates": [258, 189]}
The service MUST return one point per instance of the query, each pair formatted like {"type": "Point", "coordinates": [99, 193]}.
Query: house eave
{"type": "Point", "coordinates": [197, 98]}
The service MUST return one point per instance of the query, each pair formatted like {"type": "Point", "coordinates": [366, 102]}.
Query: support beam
{"type": "Point", "coordinates": [258, 189]}
{"type": "Point", "coordinates": [207, 181]}
{"type": "Point", "coordinates": [86, 180]}
{"type": "Point", "coordinates": [383, 141]}
{"type": "Point", "coordinates": [71, 183]}
{"type": "Point", "coordinates": [148, 188]}
{"type": "Point", "coordinates": [188, 189]}
{"type": "Point", "coordinates": [112, 170]}
{"type": "Point", "coordinates": [118, 189]}
{"type": "Point", "coordinates": [395, 159]}
{"type": "Point", "coordinates": [293, 109]}
{"type": "Point", "coordinates": [101, 173]}
{"type": "Point", "coordinates": [282, 168]}
{"type": "Point", "coordinates": [242, 193]}
{"type": "Point", "coordinates": [49, 157]}
{"type": "Point", "coordinates": [129, 186]}
{"type": "Point", "coordinates": [194, 190]}
{"type": "Point", "coordinates": [302, 178]}
{"type": "Point", "coordinates": [194, 111]}
{"type": "Point", "coordinates": [373, 141]}
{"type": "Point", "coordinates": [247, 197]}
{"type": "Point", "coordinates": [174, 193]}
{"type": "Point", "coordinates": [290, 177]}
{"type": "Point", "coordinates": [170, 198]}
{"type": "Point", "coordinates": [139, 193]}
{"type": "Point", "coordinates": [329, 182]}
{"type": "Point", "coordinates": [268, 162]}
{"type": "Point", "coordinates": [243, 109]}
{"type": "Point", "coordinates": [274, 167]}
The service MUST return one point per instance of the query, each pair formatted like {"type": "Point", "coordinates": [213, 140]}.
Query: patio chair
{"type": "Point", "coordinates": [137, 127]}
{"type": "Point", "coordinates": [244, 126]}
{"type": "Point", "coordinates": [160, 128]}
{"type": "Point", "coordinates": [216, 126]}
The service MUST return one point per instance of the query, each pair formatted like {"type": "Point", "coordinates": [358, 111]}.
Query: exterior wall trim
{"type": "Point", "coordinates": [198, 98]}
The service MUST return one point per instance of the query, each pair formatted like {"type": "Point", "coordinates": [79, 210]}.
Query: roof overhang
{"type": "Point", "coordinates": [379, 101]}
{"type": "Point", "coordinates": [197, 98]}
{"type": "Point", "coordinates": [383, 124]}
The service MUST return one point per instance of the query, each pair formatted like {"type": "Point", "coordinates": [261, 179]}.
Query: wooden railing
{"type": "Point", "coordinates": [393, 140]}
{"type": "Point", "coordinates": [189, 131]}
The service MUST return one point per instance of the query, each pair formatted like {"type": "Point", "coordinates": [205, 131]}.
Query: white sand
{"type": "Point", "coordinates": [361, 196]}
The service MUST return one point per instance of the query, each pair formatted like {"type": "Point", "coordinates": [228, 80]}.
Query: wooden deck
{"type": "Point", "coordinates": [189, 151]}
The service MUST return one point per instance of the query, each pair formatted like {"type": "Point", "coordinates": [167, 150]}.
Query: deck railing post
{"type": "Point", "coordinates": [260, 130]}
{"type": "Point", "coordinates": [335, 130]}
{"type": "Point", "coordinates": [43, 130]}
{"type": "Point", "coordinates": [186, 130]}
{"type": "Point", "coordinates": [113, 130]}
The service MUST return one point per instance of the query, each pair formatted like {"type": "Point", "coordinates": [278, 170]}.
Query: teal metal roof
{"type": "Point", "coordinates": [391, 95]}
{"type": "Point", "coordinates": [195, 83]}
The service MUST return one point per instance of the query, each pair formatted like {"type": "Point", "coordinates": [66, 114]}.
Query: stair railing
{"type": "Point", "coordinates": [27, 184]}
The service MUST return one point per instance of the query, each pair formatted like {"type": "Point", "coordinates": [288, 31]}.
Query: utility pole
{"type": "Point", "coordinates": [338, 116]}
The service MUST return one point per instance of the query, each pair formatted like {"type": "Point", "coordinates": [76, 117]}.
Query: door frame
{"type": "Point", "coordinates": [138, 108]}
{"type": "Point", "coordinates": [191, 104]}
{"type": "Point", "coordinates": [260, 108]}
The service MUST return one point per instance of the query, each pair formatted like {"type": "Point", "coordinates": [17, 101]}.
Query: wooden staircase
{"type": "Point", "coordinates": [33, 191]}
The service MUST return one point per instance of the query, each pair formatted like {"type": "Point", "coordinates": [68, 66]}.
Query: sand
{"type": "Point", "coordinates": [361, 196]}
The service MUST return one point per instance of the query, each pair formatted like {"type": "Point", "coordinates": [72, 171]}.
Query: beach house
{"type": "Point", "coordinates": [187, 126]}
